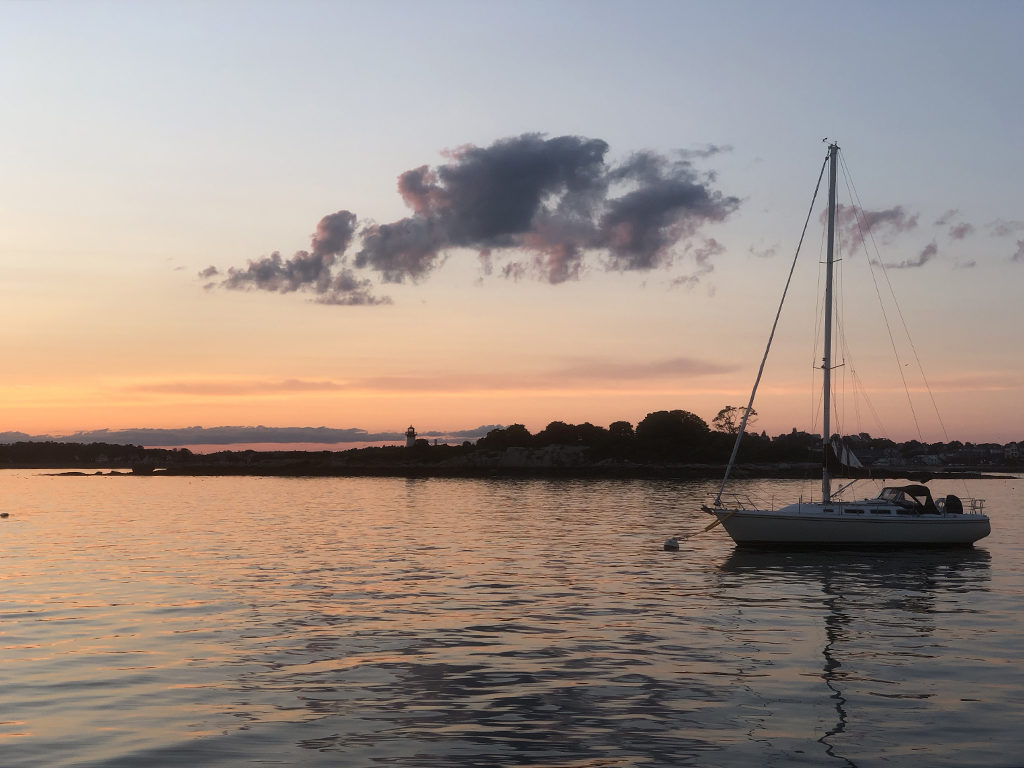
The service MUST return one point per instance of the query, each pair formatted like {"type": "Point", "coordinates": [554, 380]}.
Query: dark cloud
{"type": "Point", "coordinates": [640, 227]}
{"type": "Point", "coordinates": [320, 270]}
{"type": "Point", "coordinates": [637, 213]}
{"type": "Point", "coordinates": [275, 273]}
{"type": "Point", "coordinates": [927, 254]}
{"type": "Point", "coordinates": [409, 248]}
{"type": "Point", "coordinates": [529, 205]}
{"type": "Point", "coordinates": [348, 290]}
{"type": "Point", "coordinates": [947, 217]}
{"type": "Point", "coordinates": [1019, 254]}
{"type": "Point", "coordinates": [334, 233]}
{"type": "Point", "coordinates": [855, 224]}
{"type": "Point", "coordinates": [526, 193]}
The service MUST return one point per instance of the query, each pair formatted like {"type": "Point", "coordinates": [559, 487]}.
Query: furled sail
{"type": "Point", "coordinates": [842, 462]}
{"type": "Point", "coordinates": [844, 455]}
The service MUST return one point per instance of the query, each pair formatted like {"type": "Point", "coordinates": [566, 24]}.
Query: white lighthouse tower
{"type": "Point", "coordinates": [410, 437]}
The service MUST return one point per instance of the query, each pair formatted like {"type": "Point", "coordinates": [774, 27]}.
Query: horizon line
{"type": "Point", "coordinates": [158, 437]}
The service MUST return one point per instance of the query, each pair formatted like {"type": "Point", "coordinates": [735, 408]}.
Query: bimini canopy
{"type": "Point", "coordinates": [918, 495]}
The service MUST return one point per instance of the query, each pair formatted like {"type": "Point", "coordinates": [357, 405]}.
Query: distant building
{"type": "Point", "coordinates": [410, 437]}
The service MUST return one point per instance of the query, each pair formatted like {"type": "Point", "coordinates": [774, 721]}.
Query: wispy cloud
{"type": "Point", "coordinates": [1004, 228]}
{"type": "Point", "coordinates": [763, 252]}
{"type": "Point", "coordinates": [233, 388]}
{"type": "Point", "coordinates": [961, 230]}
{"type": "Point", "coordinates": [578, 375]}
{"type": "Point", "coordinates": [856, 224]}
{"type": "Point", "coordinates": [927, 254]}
{"type": "Point", "coordinates": [957, 230]}
{"type": "Point", "coordinates": [668, 368]}
{"type": "Point", "coordinates": [702, 256]}
{"type": "Point", "coordinates": [982, 381]}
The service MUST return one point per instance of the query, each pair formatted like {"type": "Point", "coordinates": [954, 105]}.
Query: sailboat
{"type": "Point", "coordinates": [901, 515]}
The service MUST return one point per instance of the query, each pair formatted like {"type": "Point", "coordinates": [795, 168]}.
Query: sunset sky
{"type": "Point", "coordinates": [636, 176]}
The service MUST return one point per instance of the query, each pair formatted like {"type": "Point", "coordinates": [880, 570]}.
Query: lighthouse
{"type": "Point", "coordinates": [410, 437]}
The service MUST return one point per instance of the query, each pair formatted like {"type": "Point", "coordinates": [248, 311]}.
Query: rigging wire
{"type": "Point", "coordinates": [865, 233]}
{"type": "Point", "coordinates": [771, 336]}
{"type": "Point", "coordinates": [859, 390]}
{"type": "Point", "coordinates": [817, 353]}
{"type": "Point", "coordinates": [871, 406]}
{"type": "Point", "coordinates": [839, 300]}
{"type": "Point", "coordinates": [849, 379]}
{"type": "Point", "coordinates": [850, 376]}
{"type": "Point", "coordinates": [848, 178]}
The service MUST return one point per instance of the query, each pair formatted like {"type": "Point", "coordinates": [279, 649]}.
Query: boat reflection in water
{"type": "Point", "coordinates": [881, 611]}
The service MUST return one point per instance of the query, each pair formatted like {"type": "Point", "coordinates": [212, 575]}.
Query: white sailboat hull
{"type": "Point", "coordinates": [801, 524]}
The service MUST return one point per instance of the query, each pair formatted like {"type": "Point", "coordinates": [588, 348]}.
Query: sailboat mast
{"type": "Point", "coordinates": [826, 367]}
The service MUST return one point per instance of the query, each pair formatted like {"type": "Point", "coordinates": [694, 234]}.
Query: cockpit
{"type": "Point", "coordinates": [916, 497]}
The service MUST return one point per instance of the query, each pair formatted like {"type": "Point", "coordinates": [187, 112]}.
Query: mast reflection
{"type": "Point", "coordinates": [856, 584]}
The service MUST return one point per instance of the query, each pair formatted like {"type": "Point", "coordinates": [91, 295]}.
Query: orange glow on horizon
{"type": "Point", "coordinates": [62, 410]}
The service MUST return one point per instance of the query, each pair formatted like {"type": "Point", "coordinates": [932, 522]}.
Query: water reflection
{"type": "Point", "coordinates": [538, 692]}
{"type": "Point", "coordinates": [901, 592]}
{"type": "Point", "coordinates": [228, 622]}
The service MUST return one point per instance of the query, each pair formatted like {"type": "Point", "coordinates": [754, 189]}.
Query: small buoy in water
{"type": "Point", "coordinates": [672, 545]}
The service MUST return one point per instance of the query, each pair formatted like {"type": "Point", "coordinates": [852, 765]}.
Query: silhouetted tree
{"type": "Point", "coordinates": [514, 436]}
{"type": "Point", "coordinates": [728, 419]}
{"type": "Point", "coordinates": [621, 431]}
{"type": "Point", "coordinates": [592, 435]}
{"type": "Point", "coordinates": [558, 433]}
{"type": "Point", "coordinates": [672, 434]}
{"type": "Point", "coordinates": [795, 446]}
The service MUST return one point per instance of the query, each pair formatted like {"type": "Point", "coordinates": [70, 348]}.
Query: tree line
{"type": "Point", "coordinates": [680, 435]}
{"type": "Point", "coordinates": [676, 435]}
{"type": "Point", "coordinates": [661, 436]}
{"type": "Point", "coordinates": [53, 453]}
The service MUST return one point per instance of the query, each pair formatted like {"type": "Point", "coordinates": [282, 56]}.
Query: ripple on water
{"type": "Point", "coordinates": [229, 621]}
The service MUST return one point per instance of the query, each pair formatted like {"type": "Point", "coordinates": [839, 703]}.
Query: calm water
{"type": "Point", "coordinates": [356, 622]}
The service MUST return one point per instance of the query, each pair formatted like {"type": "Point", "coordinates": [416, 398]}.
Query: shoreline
{"type": "Point", "coordinates": [580, 472]}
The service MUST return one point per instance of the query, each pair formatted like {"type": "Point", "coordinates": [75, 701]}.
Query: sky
{"type": "Point", "coordinates": [362, 216]}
